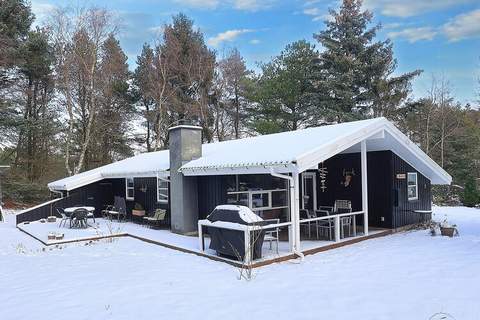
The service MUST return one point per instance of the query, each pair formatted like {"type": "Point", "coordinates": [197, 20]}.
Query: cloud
{"type": "Point", "coordinates": [157, 30]}
{"type": "Point", "coordinates": [227, 36]}
{"type": "Point", "coordinates": [463, 26]}
{"type": "Point", "coordinates": [245, 5]}
{"type": "Point", "coordinates": [317, 14]}
{"type": "Point", "coordinates": [254, 41]}
{"type": "Point", "coordinates": [252, 5]}
{"type": "Point", "coordinates": [205, 4]}
{"type": "Point", "coordinates": [409, 8]}
{"type": "Point", "coordinates": [41, 11]}
{"type": "Point", "coordinates": [414, 34]}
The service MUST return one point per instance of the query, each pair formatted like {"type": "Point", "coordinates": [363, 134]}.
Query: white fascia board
{"type": "Point", "coordinates": [238, 170]}
{"type": "Point", "coordinates": [136, 174]}
{"type": "Point", "coordinates": [324, 152]}
{"type": "Point", "coordinates": [443, 176]}
{"type": "Point", "coordinates": [76, 183]}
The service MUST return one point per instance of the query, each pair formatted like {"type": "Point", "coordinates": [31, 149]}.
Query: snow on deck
{"type": "Point", "coordinates": [408, 275]}
{"type": "Point", "coordinates": [104, 228]}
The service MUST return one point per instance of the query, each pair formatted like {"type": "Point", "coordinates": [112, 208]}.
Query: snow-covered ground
{"type": "Point", "coordinates": [408, 275]}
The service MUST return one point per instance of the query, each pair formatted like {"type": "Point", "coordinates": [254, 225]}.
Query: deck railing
{"type": "Point", "coordinates": [336, 221]}
{"type": "Point", "coordinates": [248, 229]}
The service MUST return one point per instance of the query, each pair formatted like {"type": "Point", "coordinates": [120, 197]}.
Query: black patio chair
{"type": "Point", "coordinates": [78, 219]}
{"type": "Point", "coordinates": [64, 217]}
{"type": "Point", "coordinates": [119, 209]}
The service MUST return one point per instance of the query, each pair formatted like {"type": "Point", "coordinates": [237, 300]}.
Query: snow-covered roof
{"type": "Point", "coordinates": [148, 164]}
{"type": "Point", "coordinates": [301, 150]}
{"type": "Point", "coordinates": [285, 152]}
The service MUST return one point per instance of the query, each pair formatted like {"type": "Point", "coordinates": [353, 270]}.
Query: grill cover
{"type": "Point", "coordinates": [231, 243]}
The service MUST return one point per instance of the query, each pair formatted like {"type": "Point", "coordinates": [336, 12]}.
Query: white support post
{"type": "Point", "coordinates": [364, 186]}
{"type": "Point", "coordinates": [200, 237]}
{"type": "Point", "coordinates": [336, 222]}
{"type": "Point", "coordinates": [248, 250]}
{"type": "Point", "coordinates": [296, 211]}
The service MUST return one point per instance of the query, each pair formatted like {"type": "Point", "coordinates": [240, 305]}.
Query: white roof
{"type": "Point", "coordinates": [285, 152]}
{"type": "Point", "coordinates": [148, 164]}
{"type": "Point", "coordinates": [301, 150]}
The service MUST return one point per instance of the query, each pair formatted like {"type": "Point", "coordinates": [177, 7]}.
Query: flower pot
{"type": "Point", "coordinates": [51, 219]}
{"type": "Point", "coordinates": [138, 213]}
{"type": "Point", "coordinates": [447, 231]}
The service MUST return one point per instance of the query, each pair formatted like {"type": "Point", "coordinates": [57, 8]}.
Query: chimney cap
{"type": "Point", "coordinates": [184, 126]}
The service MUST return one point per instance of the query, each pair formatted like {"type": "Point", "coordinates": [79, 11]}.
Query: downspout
{"type": "Point", "coordinates": [57, 192]}
{"type": "Point", "coordinates": [291, 185]}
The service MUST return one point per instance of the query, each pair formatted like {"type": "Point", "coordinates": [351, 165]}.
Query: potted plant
{"type": "Point", "coordinates": [447, 229]}
{"type": "Point", "coordinates": [138, 210]}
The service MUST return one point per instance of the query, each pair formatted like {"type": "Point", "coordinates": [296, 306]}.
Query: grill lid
{"type": "Point", "coordinates": [234, 214]}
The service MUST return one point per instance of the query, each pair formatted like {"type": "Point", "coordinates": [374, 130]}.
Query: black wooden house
{"type": "Point", "coordinates": [370, 163]}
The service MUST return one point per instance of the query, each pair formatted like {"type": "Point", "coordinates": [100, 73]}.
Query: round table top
{"type": "Point", "coordinates": [71, 209]}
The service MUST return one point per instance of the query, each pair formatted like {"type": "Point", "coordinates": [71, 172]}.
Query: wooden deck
{"type": "Point", "coordinates": [255, 264]}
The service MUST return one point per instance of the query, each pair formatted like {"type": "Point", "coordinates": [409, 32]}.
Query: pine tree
{"type": "Point", "coordinates": [353, 75]}
{"type": "Point", "coordinates": [471, 196]}
{"type": "Point", "coordinates": [282, 94]}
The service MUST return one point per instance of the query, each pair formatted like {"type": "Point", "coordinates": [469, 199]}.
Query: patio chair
{"type": "Point", "coordinates": [157, 218]}
{"type": "Point", "coordinates": [344, 206]}
{"type": "Point", "coordinates": [271, 235]}
{"type": "Point", "coordinates": [306, 214]}
{"type": "Point", "coordinates": [78, 219]}
{"type": "Point", "coordinates": [325, 226]}
{"type": "Point", "coordinates": [118, 210]}
{"type": "Point", "coordinates": [64, 217]}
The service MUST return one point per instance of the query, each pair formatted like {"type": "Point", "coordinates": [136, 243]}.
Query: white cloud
{"type": "Point", "coordinates": [414, 34]}
{"type": "Point", "coordinates": [157, 31]}
{"type": "Point", "coordinates": [311, 11]}
{"type": "Point", "coordinates": [252, 5]}
{"type": "Point", "coordinates": [255, 41]}
{"type": "Point", "coordinates": [246, 5]}
{"type": "Point", "coordinates": [463, 26]}
{"type": "Point", "coordinates": [205, 4]}
{"type": "Point", "coordinates": [408, 8]}
{"type": "Point", "coordinates": [317, 14]}
{"type": "Point", "coordinates": [41, 11]}
{"type": "Point", "coordinates": [227, 36]}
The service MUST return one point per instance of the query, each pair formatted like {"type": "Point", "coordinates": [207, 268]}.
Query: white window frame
{"type": "Point", "coordinates": [412, 174]}
{"type": "Point", "coordinates": [250, 194]}
{"type": "Point", "coordinates": [129, 188]}
{"type": "Point", "coordinates": [161, 179]}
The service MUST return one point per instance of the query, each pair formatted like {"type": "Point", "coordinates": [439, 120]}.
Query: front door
{"type": "Point", "coordinates": [309, 191]}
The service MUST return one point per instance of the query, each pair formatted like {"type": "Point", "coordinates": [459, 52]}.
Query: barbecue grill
{"type": "Point", "coordinates": [231, 243]}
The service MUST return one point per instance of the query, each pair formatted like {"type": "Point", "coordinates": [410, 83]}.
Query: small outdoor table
{"type": "Point", "coordinates": [91, 210]}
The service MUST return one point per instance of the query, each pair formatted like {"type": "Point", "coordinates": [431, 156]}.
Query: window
{"type": "Point", "coordinates": [412, 186]}
{"type": "Point", "coordinates": [238, 198]}
{"type": "Point", "coordinates": [260, 200]}
{"type": "Point", "coordinates": [162, 190]}
{"type": "Point", "coordinates": [130, 189]}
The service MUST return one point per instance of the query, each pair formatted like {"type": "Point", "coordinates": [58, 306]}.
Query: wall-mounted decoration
{"type": "Point", "coordinates": [401, 176]}
{"type": "Point", "coordinates": [347, 177]}
{"type": "Point", "coordinates": [322, 173]}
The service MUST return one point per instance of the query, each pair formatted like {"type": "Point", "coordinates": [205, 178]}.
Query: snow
{"type": "Point", "coordinates": [408, 275]}
{"type": "Point", "coordinates": [273, 150]}
{"type": "Point", "coordinates": [245, 213]}
{"type": "Point", "coordinates": [142, 165]}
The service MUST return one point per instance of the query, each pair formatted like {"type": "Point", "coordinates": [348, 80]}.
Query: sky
{"type": "Point", "coordinates": [441, 37]}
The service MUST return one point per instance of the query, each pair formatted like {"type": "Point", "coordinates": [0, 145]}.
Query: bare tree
{"type": "Point", "coordinates": [234, 73]}
{"type": "Point", "coordinates": [78, 38]}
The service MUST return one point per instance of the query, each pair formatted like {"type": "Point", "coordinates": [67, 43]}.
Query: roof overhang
{"type": "Point", "coordinates": [380, 135]}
